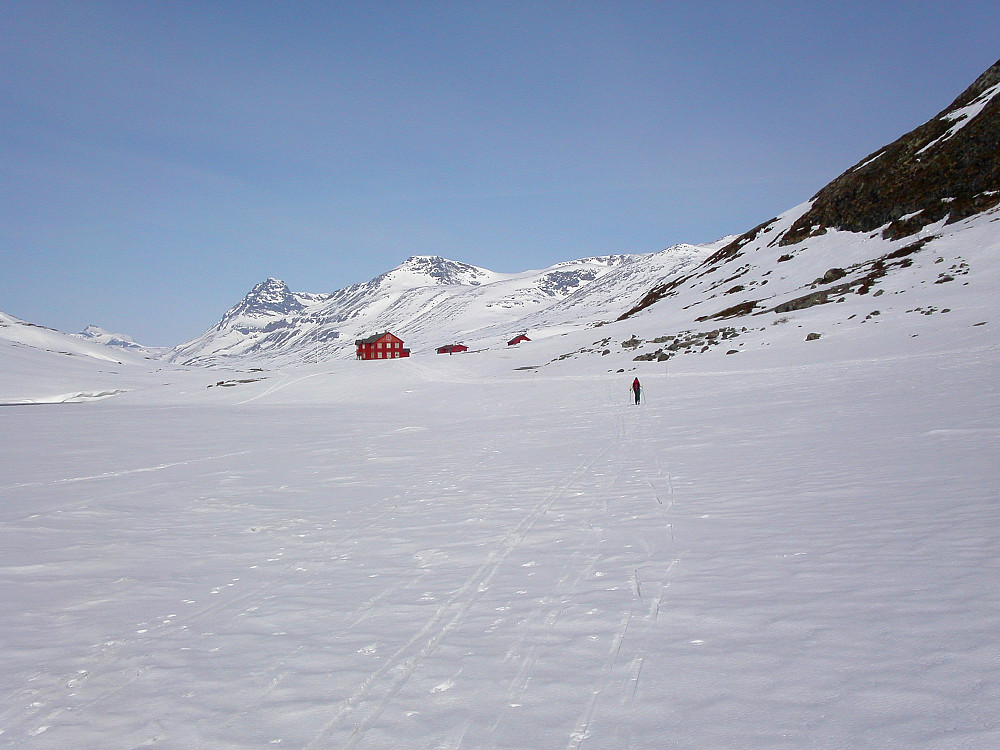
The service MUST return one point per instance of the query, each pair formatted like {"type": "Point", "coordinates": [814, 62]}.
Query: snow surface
{"type": "Point", "coordinates": [793, 547]}
{"type": "Point", "coordinates": [791, 543]}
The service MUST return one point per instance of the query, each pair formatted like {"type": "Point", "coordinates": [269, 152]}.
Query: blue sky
{"type": "Point", "coordinates": [159, 159]}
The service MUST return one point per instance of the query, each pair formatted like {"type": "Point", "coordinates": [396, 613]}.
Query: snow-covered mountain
{"type": "Point", "coordinates": [429, 301]}
{"type": "Point", "coordinates": [19, 334]}
{"type": "Point", "coordinates": [917, 213]}
{"type": "Point", "coordinates": [98, 335]}
{"type": "Point", "coordinates": [910, 231]}
{"type": "Point", "coordinates": [883, 238]}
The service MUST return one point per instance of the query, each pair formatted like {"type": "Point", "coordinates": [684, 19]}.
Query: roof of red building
{"type": "Point", "coordinates": [376, 337]}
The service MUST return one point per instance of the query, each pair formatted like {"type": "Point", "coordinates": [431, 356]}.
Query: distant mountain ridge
{"type": "Point", "coordinates": [20, 333]}
{"type": "Point", "coordinates": [98, 335]}
{"type": "Point", "coordinates": [916, 225]}
{"type": "Point", "coordinates": [428, 300]}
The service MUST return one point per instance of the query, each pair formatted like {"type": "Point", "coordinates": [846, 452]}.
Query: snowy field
{"type": "Point", "coordinates": [448, 552]}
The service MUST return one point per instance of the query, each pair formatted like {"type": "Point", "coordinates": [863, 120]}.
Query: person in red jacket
{"type": "Point", "coordinates": [636, 390]}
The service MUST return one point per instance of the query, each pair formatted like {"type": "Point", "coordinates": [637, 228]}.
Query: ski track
{"type": "Point", "coordinates": [516, 668]}
{"type": "Point", "coordinates": [627, 423]}
{"type": "Point", "coordinates": [384, 683]}
{"type": "Point", "coordinates": [581, 732]}
{"type": "Point", "coordinates": [116, 664]}
{"type": "Point", "coordinates": [520, 659]}
{"type": "Point", "coordinates": [286, 381]}
{"type": "Point", "coordinates": [631, 433]}
{"type": "Point", "coordinates": [122, 473]}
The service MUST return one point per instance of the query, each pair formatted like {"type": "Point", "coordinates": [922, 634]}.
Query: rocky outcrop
{"type": "Point", "coordinates": [947, 168]}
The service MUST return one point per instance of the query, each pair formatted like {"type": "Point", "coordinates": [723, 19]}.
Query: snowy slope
{"type": "Point", "coordinates": [919, 213]}
{"type": "Point", "coordinates": [98, 335]}
{"type": "Point", "coordinates": [840, 284]}
{"type": "Point", "coordinates": [41, 365]}
{"type": "Point", "coordinates": [429, 301]}
{"type": "Point", "coordinates": [16, 332]}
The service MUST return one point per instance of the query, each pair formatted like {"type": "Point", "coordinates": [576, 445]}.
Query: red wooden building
{"type": "Point", "coordinates": [518, 339]}
{"type": "Point", "coordinates": [381, 346]}
{"type": "Point", "coordinates": [452, 349]}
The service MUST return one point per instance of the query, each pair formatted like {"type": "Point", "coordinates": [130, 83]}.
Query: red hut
{"type": "Point", "coordinates": [518, 339]}
{"type": "Point", "coordinates": [381, 346]}
{"type": "Point", "coordinates": [452, 349]}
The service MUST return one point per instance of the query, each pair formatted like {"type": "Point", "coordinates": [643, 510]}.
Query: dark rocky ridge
{"type": "Point", "coordinates": [923, 177]}
{"type": "Point", "coordinates": [903, 187]}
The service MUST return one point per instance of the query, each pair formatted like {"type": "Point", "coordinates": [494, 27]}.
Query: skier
{"type": "Point", "coordinates": [636, 390]}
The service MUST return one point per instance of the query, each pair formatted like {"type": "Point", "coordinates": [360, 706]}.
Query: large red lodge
{"type": "Point", "coordinates": [381, 346]}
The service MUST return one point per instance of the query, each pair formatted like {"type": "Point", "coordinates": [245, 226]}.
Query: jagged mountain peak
{"type": "Point", "coordinates": [269, 291]}
{"type": "Point", "coordinates": [423, 269]}
{"type": "Point", "coordinates": [268, 298]}
{"type": "Point", "coordinates": [100, 336]}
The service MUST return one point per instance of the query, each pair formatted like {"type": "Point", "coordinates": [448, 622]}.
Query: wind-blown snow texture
{"type": "Point", "coordinates": [792, 543]}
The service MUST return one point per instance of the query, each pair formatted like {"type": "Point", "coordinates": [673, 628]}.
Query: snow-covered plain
{"type": "Point", "coordinates": [795, 547]}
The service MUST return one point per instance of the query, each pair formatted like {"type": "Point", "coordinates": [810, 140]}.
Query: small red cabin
{"type": "Point", "coordinates": [452, 349]}
{"type": "Point", "coordinates": [518, 339]}
{"type": "Point", "coordinates": [381, 346]}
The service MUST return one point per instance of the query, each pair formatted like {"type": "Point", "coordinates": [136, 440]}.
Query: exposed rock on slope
{"type": "Point", "coordinates": [269, 297]}
{"type": "Point", "coordinates": [943, 172]}
{"type": "Point", "coordinates": [947, 167]}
